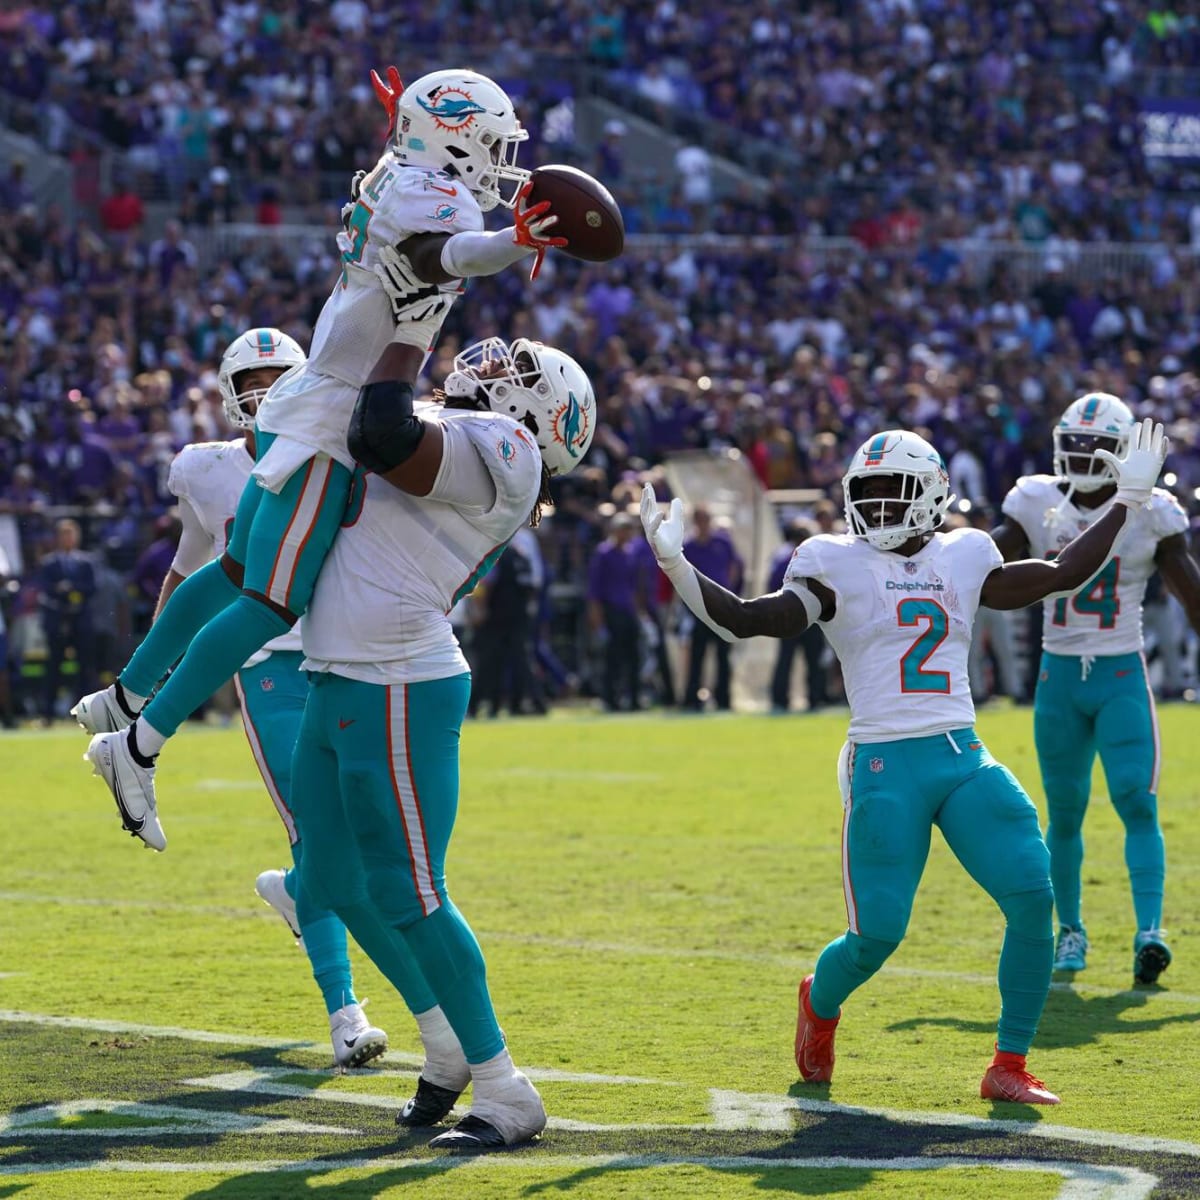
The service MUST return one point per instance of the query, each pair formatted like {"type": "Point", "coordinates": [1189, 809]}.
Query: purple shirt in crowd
{"type": "Point", "coordinates": [717, 559]}
{"type": "Point", "coordinates": [614, 575]}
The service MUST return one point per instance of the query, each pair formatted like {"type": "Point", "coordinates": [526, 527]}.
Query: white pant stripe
{"type": "Point", "coordinates": [260, 760]}
{"type": "Point", "coordinates": [846, 785]}
{"type": "Point", "coordinates": [1153, 725]}
{"type": "Point", "coordinates": [299, 529]}
{"type": "Point", "coordinates": [407, 801]}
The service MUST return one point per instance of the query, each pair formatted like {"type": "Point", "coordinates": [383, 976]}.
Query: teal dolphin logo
{"type": "Point", "coordinates": [574, 425]}
{"type": "Point", "coordinates": [452, 108]}
{"type": "Point", "coordinates": [507, 451]}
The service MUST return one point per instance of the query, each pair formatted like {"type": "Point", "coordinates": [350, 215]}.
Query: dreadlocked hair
{"type": "Point", "coordinates": [543, 500]}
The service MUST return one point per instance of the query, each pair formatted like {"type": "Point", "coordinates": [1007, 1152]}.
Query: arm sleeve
{"type": "Point", "coordinates": [463, 479]}
{"type": "Point", "coordinates": [468, 254]}
{"type": "Point", "coordinates": [195, 546]}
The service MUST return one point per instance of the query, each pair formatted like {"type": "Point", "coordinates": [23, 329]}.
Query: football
{"type": "Point", "coordinates": [588, 216]}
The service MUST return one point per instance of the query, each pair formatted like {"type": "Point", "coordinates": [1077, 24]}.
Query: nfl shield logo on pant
{"type": "Point", "coordinates": [876, 765]}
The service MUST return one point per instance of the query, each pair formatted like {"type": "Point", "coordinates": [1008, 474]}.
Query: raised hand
{"type": "Point", "coordinates": [1137, 472]}
{"type": "Point", "coordinates": [530, 227]}
{"type": "Point", "coordinates": [664, 531]}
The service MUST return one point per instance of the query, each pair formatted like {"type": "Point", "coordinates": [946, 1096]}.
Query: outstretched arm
{"type": "Point", "coordinates": [1018, 584]}
{"type": "Point", "coordinates": [1181, 574]}
{"type": "Point", "coordinates": [784, 614]}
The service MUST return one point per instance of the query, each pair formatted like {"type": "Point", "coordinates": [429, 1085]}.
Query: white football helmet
{"type": "Point", "coordinates": [464, 124]}
{"type": "Point", "coordinates": [924, 489]}
{"type": "Point", "coordinates": [254, 349]}
{"type": "Point", "coordinates": [543, 389]}
{"type": "Point", "coordinates": [1097, 421]}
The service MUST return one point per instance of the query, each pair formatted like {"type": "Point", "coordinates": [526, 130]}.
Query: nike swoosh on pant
{"type": "Point", "coordinates": [346, 724]}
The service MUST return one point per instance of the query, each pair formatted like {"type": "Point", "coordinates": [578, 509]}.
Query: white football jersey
{"type": "Point", "coordinates": [902, 628]}
{"type": "Point", "coordinates": [209, 477]}
{"type": "Point", "coordinates": [313, 403]}
{"type": "Point", "coordinates": [401, 563]}
{"type": "Point", "coordinates": [1105, 616]}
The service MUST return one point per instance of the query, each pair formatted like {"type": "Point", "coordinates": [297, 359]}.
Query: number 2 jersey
{"type": "Point", "coordinates": [1105, 616]}
{"type": "Point", "coordinates": [401, 562]}
{"type": "Point", "coordinates": [902, 627]}
{"type": "Point", "coordinates": [208, 478]}
{"type": "Point", "coordinates": [312, 404]}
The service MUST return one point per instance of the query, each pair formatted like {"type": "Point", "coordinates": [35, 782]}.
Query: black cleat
{"type": "Point", "coordinates": [1151, 956]}
{"type": "Point", "coordinates": [429, 1106]}
{"type": "Point", "coordinates": [471, 1135]}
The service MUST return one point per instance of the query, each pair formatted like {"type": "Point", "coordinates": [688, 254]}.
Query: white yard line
{"type": "Point", "coordinates": [100, 1025]}
{"type": "Point", "coordinates": [178, 1120]}
{"type": "Point", "coordinates": [1081, 1181]}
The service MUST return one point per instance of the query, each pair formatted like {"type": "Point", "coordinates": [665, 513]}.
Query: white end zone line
{"type": "Point", "coordinates": [1081, 1181]}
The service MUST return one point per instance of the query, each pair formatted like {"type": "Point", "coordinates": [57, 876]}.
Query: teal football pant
{"type": "Point", "coordinates": [282, 539]}
{"type": "Point", "coordinates": [375, 799]}
{"type": "Point", "coordinates": [272, 695]}
{"type": "Point", "coordinates": [1105, 705]}
{"type": "Point", "coordinates": [894, 793]}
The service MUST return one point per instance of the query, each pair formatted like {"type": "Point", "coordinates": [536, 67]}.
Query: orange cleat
{"type": "Point", "coordinates": [1007, 1079]}
{"type": "Point", "coordinates": [814, 1039]}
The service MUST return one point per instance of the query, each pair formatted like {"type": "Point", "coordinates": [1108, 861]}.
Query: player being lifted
{"type": "Point", "coordinates": [1092, 692]}
{"type": "Point", "coordinates": [897, 600]}
{"type": "Point", "coordinates": [453, 139]}
{"type": "Point", "coordinates": [375, 779]}
{"type": "Point", "coordinates": [208, 478]}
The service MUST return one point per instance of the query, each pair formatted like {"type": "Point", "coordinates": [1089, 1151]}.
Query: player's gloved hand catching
{"type": "Point", "coordinates": [664, 531]}
{"type": "Point", "coordinates": [412, 298]}
{"type": "Point", "coordinates": [531, 225]}
{"type": "Point", "coordinates": [1137, 472]}
{"type": "Point", "coordinates": [389, 94]}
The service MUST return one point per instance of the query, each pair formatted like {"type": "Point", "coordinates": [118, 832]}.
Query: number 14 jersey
{"type": "Point", "coordinates": [1105, 616]}
{"type": "Point", "coordinates": [902, 629]}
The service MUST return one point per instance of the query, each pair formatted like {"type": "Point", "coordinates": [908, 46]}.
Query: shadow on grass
{"type": "Point", "coordinates": [1072, 1019]}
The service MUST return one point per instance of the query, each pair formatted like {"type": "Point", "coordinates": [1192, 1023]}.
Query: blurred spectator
{"type": "Point", "coordinates": [508, 596]}
{"type": "Point", "coordinates": [67, 585]}
{"type": "Point", "coordinates": [711, 552]}
{"type": "Point", "coordinates": [615, 582]}
{"type": "Point", "coordinates": [122, 210]}
{"type": "Point", "coordinates": [811, 641]}
{"type": "Point", "coordinates": [7, 720]}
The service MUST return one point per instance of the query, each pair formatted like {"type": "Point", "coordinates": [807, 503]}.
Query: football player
{"type": "Point", "coordinates": [451, 154]}
{"type": "Point", "coordinates": [207, 478]}
{"type": "Point", "coordinates": [897, 600]}
{"type": "Point", "coordinates": [375, 777]}
{"type": "Point", "coordinates": [1092, 692]}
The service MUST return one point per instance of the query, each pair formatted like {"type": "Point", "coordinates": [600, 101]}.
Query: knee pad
{"type": "Point", "coordinates": [1137, 808]}
{"type": "Point", "coordinates": [391, 892]}
{"type": "Point", "coordinates": [383, 431]}
{"type": "Point", "coordinates": [1030, 914]}
{"type": "Point", "coordinates": [868, 954]}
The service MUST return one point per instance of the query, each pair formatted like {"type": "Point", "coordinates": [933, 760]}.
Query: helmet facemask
{"type": "Point", "coordinates": [241, 406]}
{"type": "Point", "coordinates": [1075, 458]}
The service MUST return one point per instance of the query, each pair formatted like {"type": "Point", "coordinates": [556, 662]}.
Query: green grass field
{"type": "Point", "coordinates": [648, 893]}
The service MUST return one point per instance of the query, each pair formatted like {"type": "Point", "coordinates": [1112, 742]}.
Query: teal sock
{"type": "Point", "coordinates": [199, 598]}
{"type": "Point", "coordinates": [214, 656]}
{"type": "Point", "coordinates": [1066, 868]}
{"type": "Point", "coordinates": [845, 964]}
{"type": "Point", "coordinates": [1026, 964]}
{"type": "Point", "coordinates": [1145, 858]}
{"type": "Point", "coordinates": [450, 958]}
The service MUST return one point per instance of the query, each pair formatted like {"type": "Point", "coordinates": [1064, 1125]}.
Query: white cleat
{"type": "Point", "coordinates": [355, 1040]}
{"type": "Point", "coordinates": [132, 786]}
{"type": "Point", "coordinates": [272, 890]}
{"type": "Point", "coordinates": [100, 712]}
{"type": "Point", "coordinates": [507, 1114]}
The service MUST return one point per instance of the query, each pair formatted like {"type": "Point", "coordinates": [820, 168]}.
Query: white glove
{"type": "Point", "coordinates": [664, 531]}
{"type": "Point", "coordinates": [355, 188]}
{"type": "Point", "coordinates": [1137, 472]}
{"type": "Point", "coordinates": [412, 298]}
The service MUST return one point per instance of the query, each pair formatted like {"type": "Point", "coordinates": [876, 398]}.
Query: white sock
{"type": "Point", "coordinates": [444, 1061]}
{"type": "Point", "coordinates": [135, 702]}
{"type": "Point", "coordinates": [149, 740]}
{"type": "Point", "coordinates": [496, 1070]}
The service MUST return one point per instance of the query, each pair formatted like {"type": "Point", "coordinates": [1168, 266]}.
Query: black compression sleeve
{"type": "Point", "coordinates": [383, 430]}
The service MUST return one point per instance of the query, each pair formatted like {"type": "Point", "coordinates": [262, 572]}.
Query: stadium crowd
{"type": "Point", "coordinates": [110, 335]}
